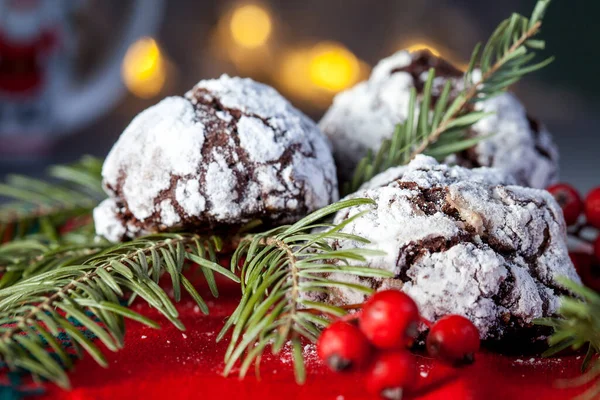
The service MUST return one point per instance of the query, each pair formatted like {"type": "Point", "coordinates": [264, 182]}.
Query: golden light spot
{"type": "Point", "coordinates": [250, 26]}
{"type": "Point", "coordinates": [293, 73]}
{"type": "Point", "coordinates": [298, 78]}
{"type": "Point", "coordinates": [143, 69]}
{"type": "Point", "coordinates": [423, 46]}
{"type": "Point", "coordinates": [333, 67]}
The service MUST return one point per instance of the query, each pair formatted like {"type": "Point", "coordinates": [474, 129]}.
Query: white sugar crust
{"type": "Point", "coordinates": [362, 116]}
{"type": "Point", "coordinates": [230, 150]}
{"type": "Point", "coordinates": [106, 221]}
{"type": "Point", "coordinates": [504, 245]}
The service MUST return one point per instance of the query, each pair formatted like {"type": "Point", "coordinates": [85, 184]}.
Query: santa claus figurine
{"type": "Point", "coordinates": [32, 35]}
{"type": "Point", "coordinates": [26, 40]}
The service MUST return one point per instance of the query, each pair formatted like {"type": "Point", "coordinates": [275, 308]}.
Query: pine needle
{"type": "Point", "coordinates": [280, 268]}
{"type": "Point", "coordinates": [32, 224]}
{"type": "Point", "coordinates": [56, 284]}
{"type": "Point", "coordinates": [577, 327]}
{"type": "Point", "coordinates": [34, 205]}
{"type": "Point", "coordinates": [505, 59]}
{"type": "Point", "coordinates": [90, 293]}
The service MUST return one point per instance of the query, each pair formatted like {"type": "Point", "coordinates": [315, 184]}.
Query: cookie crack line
{"type": "Point", "coordinates": [229, 152]}
{"type": "Point", "coordinates": [462, 241]}
{"type": "Point", "coordinates": [197, 95]}
{"type": "Point", "coordinates": [361, 117]}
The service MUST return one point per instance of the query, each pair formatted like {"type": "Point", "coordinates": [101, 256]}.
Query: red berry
{"type": "Point", "coordinates": [597, 249]}
{"type": "Point", "coordinates": [392, 374]}
{"type": "Point", "coordinates": [390, 319]}
{"type": "Point", "coordinates": [580, 260]}
{"type": "Point", "coordinates": [343, 347]}
{"type": "Point", "coordinates": [588, 269]}
{"type": "Point", "coordinates": [592, 208]}
{"type": "Point", "coordinates": [453, 339]}
{"type": "Point", "coordinates": [569, 200]}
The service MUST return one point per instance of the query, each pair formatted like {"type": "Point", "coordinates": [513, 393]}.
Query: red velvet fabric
{"type": "Point", "coordinates": [167, 363]}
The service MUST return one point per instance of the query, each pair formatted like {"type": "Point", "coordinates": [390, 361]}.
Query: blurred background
{"type": "Point", "coordinates": [73, 73]}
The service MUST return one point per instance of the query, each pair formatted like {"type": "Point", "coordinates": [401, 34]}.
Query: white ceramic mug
{"type": "Point", "coordinates": [38, 99]}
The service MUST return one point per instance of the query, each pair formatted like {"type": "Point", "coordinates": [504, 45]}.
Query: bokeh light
{"type": "Point", "coordinates": [313, 74]}
{"type": "Point", "coordinates": [143, 69]}
{"type": "Point", "coordinates": [250, 26]}
{"type": "Point", "coordinates": [333, 67]}
{"type": "Point", "coordinates": [293, 73]}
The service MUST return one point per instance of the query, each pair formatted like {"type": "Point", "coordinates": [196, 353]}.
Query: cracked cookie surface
{"type": "Point", "coordinates": [231, 151]}
{"type": "Point", "coordinates": [361, 117]}
{"type": "Point", "coordinates": [461, 241]}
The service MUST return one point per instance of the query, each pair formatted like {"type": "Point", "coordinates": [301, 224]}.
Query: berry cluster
{"type": "Point", "coordinates": [573, 207]}
{"type": "Point", "coordinates": [376, 341]}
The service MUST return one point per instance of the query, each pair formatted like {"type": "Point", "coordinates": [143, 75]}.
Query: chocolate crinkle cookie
{"type": "Point", "coordinates": [231, 151]}
{"type": "Point", "coordinates": [361, 117]}
{"type": "Point", "coordinates": [461, 241]}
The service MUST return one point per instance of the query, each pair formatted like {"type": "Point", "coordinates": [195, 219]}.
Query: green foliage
{"type": "Point", "coordinates": [30, 205]}
{"type": "Point", "coordinates": [578, 327]}
{"type": "Point", "coordinates": [34, 223]}
{"type": "Point", "coordinates": [440, 128]}
{"type": "Point", "coordinates": [54, 284]}
{"type": "Point", "coordinates": [280, 267]}
{"type": "Point", "coordinates": [508, 54]}
{"type": "Point", "coordinates": [35, 311]}
{"type": "Point", "coordinates": [27, 257]}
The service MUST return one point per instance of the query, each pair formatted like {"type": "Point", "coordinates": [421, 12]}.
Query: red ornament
{"type": "Point", "coordinates": [390, 319]}
{"type": "Point", "coordinates": [392, 374]}
{"type": "Point", "coordinates": [569, 200]}
{"type": "Point", "coordinates": [592, 208]}
{"type": "Point", "coordinates": [453, 339]}
{"type": "Point", "coordinates": [588, 268]}
{"type": "Point", "coordinates": [343, 347]}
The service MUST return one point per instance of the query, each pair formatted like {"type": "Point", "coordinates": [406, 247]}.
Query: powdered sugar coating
{"type": "Point", "coordinates": [426, 171]}
{"type": "Point", "coordinates": [461, 241]}
{"type": "Point", "coordinates": [361, 117]}
{"type": "Point", "coordinates": [106, 221]}
{"type": "Point", "coordinates": [518, 143]}
{"type": "Point", "coordinates": [230, 151]}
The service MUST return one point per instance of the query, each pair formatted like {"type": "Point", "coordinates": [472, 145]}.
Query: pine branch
{"type": "Point", "coordinates": [44, 206]}
{"type": "Point", "coordinates": [35, 311]}
{"type": "Point", "coordinates": [503, 61]}
{"type": "Point", "coordinates": [36, 253]}
{"type": "Point", "coordinates": [24, 258]}
{"type": "Point", "coordinates": [578, 327]}
{"type": "Point", "coordinates": [280, 269]}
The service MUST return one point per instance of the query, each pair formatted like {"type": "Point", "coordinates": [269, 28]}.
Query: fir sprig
{"type": "Point", "coordinates": [281, 267]}
{"type": "Point", "coordinates": [73, 276]}
{"type": "Point", "coordinates": [577, 327]}
{"type": "Point", "coordinates": [22, 258]}
{"type": "Point", "coordinates": [42, 206]}
{"type": "Point", "coordinates": [505, 59]}
{"type": "Point", "coordinates": [35, 311]}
